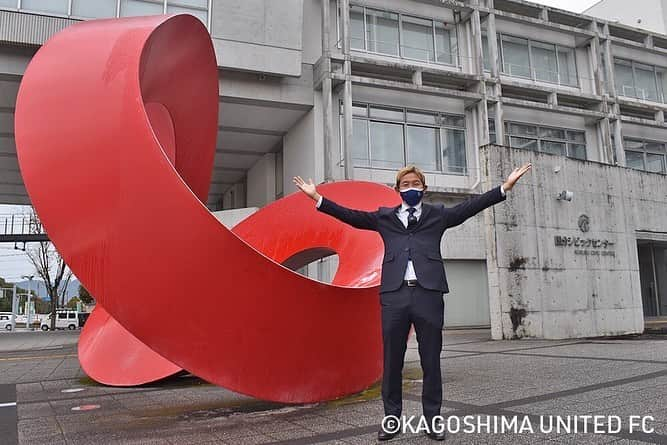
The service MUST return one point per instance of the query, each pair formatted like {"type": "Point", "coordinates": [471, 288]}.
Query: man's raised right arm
{"type": "Point", "coordinates": [356, 218]}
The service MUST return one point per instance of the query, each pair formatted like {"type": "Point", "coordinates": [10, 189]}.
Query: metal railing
{"type": "Point", "coordinates": [21, 227]}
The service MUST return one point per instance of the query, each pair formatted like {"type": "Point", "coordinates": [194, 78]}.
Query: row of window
{"type": "Point", "coordinates": [432, 41]}
{"type": "Point", "coordinates": [92, 9]}
{"type": "Point", "coordinates": [559, 141]}
{"type": "Point", "coordinates": [639, 80]}
{"type": "Point", "coordinates": [390, 138]}
{"type": "Point", "coordinates": [645, 155]}
{"type": "Point", "coordinates": [534, 60]}
{"type": "Point", "coordinates": [402, 35]}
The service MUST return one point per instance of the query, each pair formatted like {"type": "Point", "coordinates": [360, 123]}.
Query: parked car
{"type": "Point", "coordinates": [83, 316]}
{"type": "Point", "coordinates": [6, 321]}
{"type": "Point", "coordinates": [65, 319]}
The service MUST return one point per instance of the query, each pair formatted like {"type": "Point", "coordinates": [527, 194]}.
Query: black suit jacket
{"type": "Point", "coordinates": [421, 243]}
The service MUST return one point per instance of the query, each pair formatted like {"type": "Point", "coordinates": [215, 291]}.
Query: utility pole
{"type": "Point", "coordinates": [28, 318]}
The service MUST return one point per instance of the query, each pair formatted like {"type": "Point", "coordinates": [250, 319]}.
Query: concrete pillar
{"type": "Point", "coordinates": [496, 313]}
{"type": "Point", "coordinates": [483, 113]}
{"type": "Point", "coordinates": [609, 64]}
{"type": "Point", "coordinates": [472, 147]}
{"type": "Point", "coordinates": [498, 118]}
{"type": "Point", "coordinates": [477, 51]}
{"type": "Point", "coordinates": [595, 60]}
{"type": "Point", "coordinates": [648, 41]}
{"type": "Point", "coordinates": [347, 91]}
{"type": "Point", "coordinates": [604, 136]}
{"type": "Point", "coordinates": [544, 14]}
{"type": "Point", "coordinates": [618, 142]}
{"type": "Point", "coordinates": [417, 78]}
{"type": "Point", "coordinates": [552, 99]}
{"type": "Point", "coordinates": [261, 181]}
{"type": "Point", "coordinates": [492, 37]}
{"type": "Point", "coordinates": [327, 113]}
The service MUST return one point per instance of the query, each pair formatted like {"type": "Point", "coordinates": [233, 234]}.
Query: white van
{"type": "Point", "coordinates": [6, 321]}
{"type": "Point", "coordinates": [65, 319]}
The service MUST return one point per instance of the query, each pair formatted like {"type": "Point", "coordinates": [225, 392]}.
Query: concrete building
{"type": "Point", "coordinates": [348, 89]}
{"type": "Point", "coordinates": [646, 14]}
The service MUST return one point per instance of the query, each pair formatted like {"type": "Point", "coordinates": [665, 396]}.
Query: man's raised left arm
{"type": "Point", "coordinates": [459, 213]}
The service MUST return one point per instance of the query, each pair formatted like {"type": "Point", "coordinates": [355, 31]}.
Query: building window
{"type": "Point", "coordinates": [645, 155]}
{"type": "Point", "coordinates": [140, 7]}
{"type": "Point", "coordinates": [446, 44]}
{"type": "Point", "coordinates": [640, 81]}
{"type": "Point", "coordinates": [492, 131]}
{"type": "Point", "coordinates": [49, 6]}
{"type": "Point", "coordinates": [545, 62]}
{"type": "Point", "coordinates": [417, 38]}
{"type": "Point", "coordinates": [530, 59]}
{"type": "Point", "coordinates": [516, 58]}
{"type": "Point", "coordinates": [390, 138]}
{"type": "Point", "coordinates": [382, 32]}
{"type": "Point", "coordinates": [93, 9]}
{"type": "Point", "coordinates": [559, 141]}
{"type": "Point", "coordinates": [400, 35]}
{"type": "Point", "coordinates": [357, 28]}
{"type": "Point", "coordinates": [567, 67]}
{"type": "Point", "coordinates": [198, 8]}
{"type": "Point", "coordinates": [486, 53]}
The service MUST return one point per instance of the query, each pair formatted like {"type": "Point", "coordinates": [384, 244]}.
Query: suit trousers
{"type": "Point", "coordinates": [423, 308]}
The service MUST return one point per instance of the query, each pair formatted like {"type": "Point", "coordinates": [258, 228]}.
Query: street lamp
{"type": "Point", "coordinates": [28, 319]}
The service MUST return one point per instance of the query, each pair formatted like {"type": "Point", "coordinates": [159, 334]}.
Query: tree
{"type": "Point", "coordinates": [7, 295]}
{"type": "Point", "coordinates": [41, 306]}
{"type": "Point", "coordinates": [50, 267]}
{"type": "Point", "coordinates": [85, 296]}
{"type": "Point", "coordinates": [72, 302]}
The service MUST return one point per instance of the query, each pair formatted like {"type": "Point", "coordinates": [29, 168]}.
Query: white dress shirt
{"type": "Point", "coordinates": [403, 214]}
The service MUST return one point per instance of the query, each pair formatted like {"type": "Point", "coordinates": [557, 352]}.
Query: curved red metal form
{"type": "Point", "coordinates": [110, 354]}
{"type": "Point", "coordinates": [128, 107]}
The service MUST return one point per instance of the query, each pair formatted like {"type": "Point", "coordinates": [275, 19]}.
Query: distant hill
{"type": "Point", "coordinates": [38, 286]}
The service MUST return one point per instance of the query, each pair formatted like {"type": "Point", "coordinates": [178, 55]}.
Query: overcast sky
{"type": "Point", "coordinates": [570, 5]}
{"type": "Point", "coordinates": [13, 263]}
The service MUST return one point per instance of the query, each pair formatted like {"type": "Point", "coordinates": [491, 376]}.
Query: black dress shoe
{"type": "Point", "coordinates": [436, 435]}
{"type": "Point", "coordinates": [385, 435]}
{"type": "Point", "coordinates": [437, 431]}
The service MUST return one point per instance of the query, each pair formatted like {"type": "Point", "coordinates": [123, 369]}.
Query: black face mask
{"type": "Point", "coordinates": [412, 196]}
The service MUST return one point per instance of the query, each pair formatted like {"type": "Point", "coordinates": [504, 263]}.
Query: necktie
{"type": "Point", "coordinates": [412, 219]}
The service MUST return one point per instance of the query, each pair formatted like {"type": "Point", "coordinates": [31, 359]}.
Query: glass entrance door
{"type": "Point", "coordinates": [653, 277]}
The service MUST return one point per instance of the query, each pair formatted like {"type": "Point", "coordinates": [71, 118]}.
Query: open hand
{"type": "Point", "coordinates": [515, 175]}
{"type": "Point", "coordinates": [306, 187]}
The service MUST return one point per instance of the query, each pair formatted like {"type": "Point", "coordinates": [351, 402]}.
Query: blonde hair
{"type": "Point", "coordinates": [409, 169]}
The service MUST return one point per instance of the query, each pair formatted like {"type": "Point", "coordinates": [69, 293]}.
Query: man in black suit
{"type": "Point", "coordinates": [413, 279]}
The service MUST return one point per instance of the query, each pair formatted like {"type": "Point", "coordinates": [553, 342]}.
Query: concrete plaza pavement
{"type": "Point", "coordinates": [484, 379]}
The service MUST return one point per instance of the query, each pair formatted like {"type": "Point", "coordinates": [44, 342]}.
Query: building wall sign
{"type": "Point", "coordinates": [586, 246]}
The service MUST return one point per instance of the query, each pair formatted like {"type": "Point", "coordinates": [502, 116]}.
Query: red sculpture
{"type": "Point", "coordinates": [116, 124]}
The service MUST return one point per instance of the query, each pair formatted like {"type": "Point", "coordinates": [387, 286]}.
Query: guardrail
{"type": "Point", "coordinates": [18, 228]}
